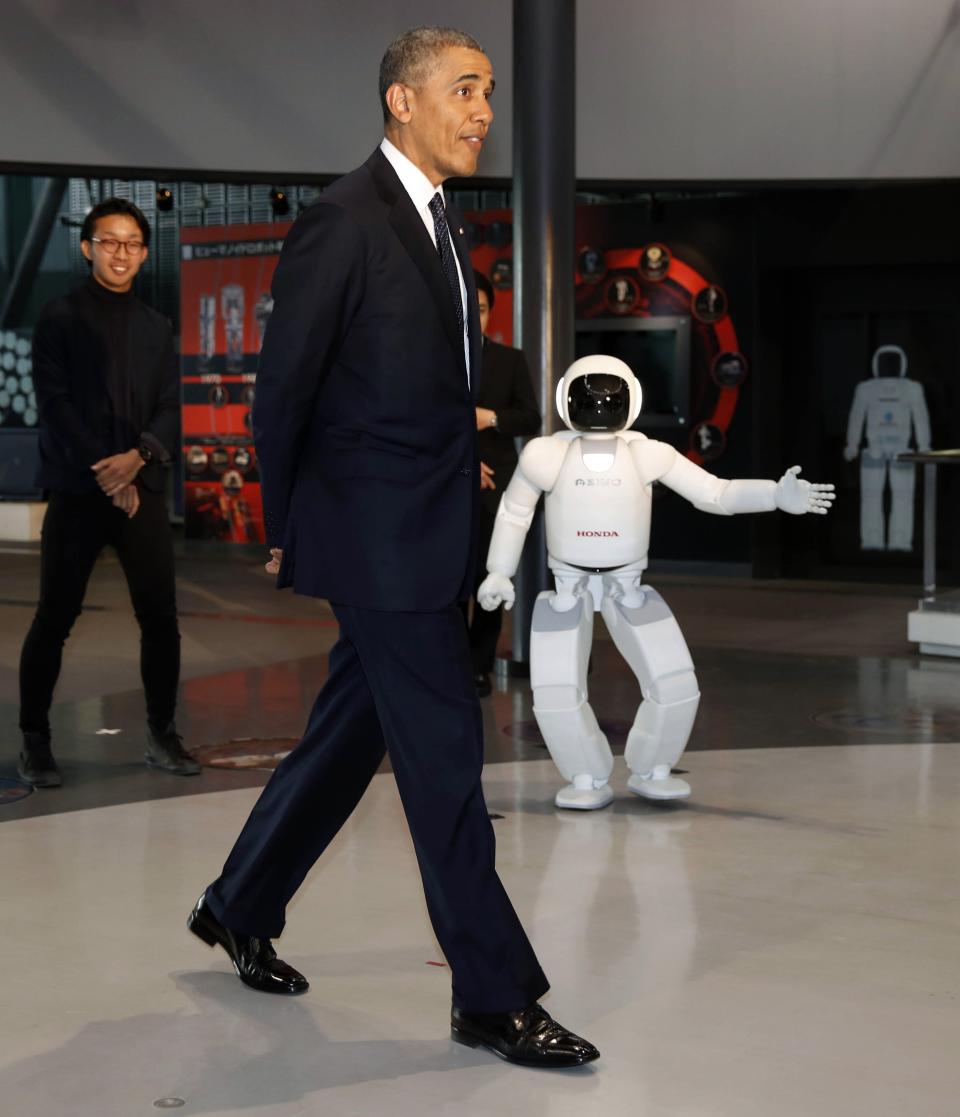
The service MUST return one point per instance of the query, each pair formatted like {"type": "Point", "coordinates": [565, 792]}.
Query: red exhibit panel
{"type": "Point", "coordinates": [225, 302]}
{"type": "Point", "coordinates": [622, 283]}
{"type": "Point", "coordinates": [490, 235]}
{"type": "Point", "coordinates": [651, 281]}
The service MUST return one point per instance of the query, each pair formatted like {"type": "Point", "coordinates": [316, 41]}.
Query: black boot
{"type": "Point", "coordinates": [165, 751]}
{"type": "Point", "coordinates": [37, 766]}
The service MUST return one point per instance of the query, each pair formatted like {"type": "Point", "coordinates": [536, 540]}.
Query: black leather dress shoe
{"type": "Point", "coordinates": [37, 766]}
{"type": "Point", "coordinates": [254, 959]}
{"type": "Point", "coordinates": [530, 1037]}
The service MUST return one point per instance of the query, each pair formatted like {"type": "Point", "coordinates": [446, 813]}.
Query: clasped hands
{"type": "Point", "coordinates": [115, 476]}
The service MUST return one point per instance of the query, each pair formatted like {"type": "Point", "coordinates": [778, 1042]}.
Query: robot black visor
{"type": "Point", "coordinates": [598, 403]}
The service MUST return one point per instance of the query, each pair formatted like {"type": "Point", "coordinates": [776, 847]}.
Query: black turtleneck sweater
{"type": "Point", "coordinates": [106, 380]}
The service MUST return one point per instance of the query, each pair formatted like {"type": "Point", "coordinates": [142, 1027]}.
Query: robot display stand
{"type": "Point", "coordinates": [597, 476]}
{"type": "Point", "coordinates": [935, 623]}
{"type": "Point", "coordinates": [889, 406]}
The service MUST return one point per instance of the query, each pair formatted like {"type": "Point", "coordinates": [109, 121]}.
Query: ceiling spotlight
{"type": "Point", "coordinates": [164, 199]}
{"type": "Point", "coordinates": [279, 203]}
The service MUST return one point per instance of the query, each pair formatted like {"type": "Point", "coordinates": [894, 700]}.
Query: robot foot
{"type": "Point", "coordinates": [659, 784]}
{"type": "Point", "coordinates": [584, 795]}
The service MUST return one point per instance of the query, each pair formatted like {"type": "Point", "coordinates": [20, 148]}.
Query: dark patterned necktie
{"type": "Point", "coordinates": [445, 248]}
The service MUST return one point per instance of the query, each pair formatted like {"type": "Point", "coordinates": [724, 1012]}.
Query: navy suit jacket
{"type": "Point", "coordinates": [364, 422]}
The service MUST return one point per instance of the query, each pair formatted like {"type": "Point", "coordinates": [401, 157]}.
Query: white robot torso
{"type": "Point", "coordinates": [598, 508]}
{"type": "Point", "coordinates": [888, 406]}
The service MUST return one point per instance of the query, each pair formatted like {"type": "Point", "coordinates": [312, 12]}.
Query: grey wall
{"type": "Point", "coordinates": [668, 89]}
{"type": "Point", "coordinates": [777, 89]}
{"type": "Point", "coordinates": [287, 86]}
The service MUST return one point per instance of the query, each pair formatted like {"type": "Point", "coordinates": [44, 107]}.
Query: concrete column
{"type": "Point", "coordinates": [544, 187]}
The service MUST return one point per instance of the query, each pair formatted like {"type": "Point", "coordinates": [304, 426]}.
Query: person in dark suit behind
{"type": "Point", "coordinates": [506, 409]}
{"type": "Point", "coordinates": [365, 431]}
{"type": "Point", "coordinates": [108, 390]}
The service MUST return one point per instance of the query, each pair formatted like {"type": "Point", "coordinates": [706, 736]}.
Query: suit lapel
{"type": "Point", "coordinates": [409, 227]}
{"type": "Point", "coordinates": [471, 310]}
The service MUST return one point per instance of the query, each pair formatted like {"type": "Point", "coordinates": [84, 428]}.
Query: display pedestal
{"type": "Point", "coordinates": [935, 623]}
{"type": "Point", "coordinates": [21, 521]}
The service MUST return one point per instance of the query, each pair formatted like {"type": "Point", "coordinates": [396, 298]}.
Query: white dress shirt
{"type": "Point", "coordinates": [421, 190]}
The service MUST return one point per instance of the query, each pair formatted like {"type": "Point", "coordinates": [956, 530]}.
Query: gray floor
{"type": "Point", "coordinates": [783, 943]}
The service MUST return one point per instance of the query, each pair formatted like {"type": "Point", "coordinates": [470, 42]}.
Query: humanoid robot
{"type": "Point", "coordinates": [888, 405]}
{"type": "Point", "coordinates": [597, 476]}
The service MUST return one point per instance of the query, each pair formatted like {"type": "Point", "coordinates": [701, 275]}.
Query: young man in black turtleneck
{"type": "Point", "coordinates": [106, 382]}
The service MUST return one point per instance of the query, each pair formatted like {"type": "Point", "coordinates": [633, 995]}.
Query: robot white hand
{"type": "Point", "coordinates": [495, 589]}
{"type": "Point", "coordinates": [798, 497]}
{"type": "Point", "coordinates": [851, 453]}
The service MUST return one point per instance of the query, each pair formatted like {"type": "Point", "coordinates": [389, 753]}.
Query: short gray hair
{"type": "Point", "coordinates": [409, 57]}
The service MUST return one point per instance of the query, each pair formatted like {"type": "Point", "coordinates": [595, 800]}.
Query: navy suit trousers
{"type": "Point", "coordinates": [400, 683]}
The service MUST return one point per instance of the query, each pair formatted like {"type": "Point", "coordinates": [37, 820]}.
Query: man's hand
{"type": "Point", "coordinates": [276, 556]}
{"type": "Point", "coordinates": [485, 418]}
{"type": "Point", "coordinates": [486, 476]}
{"type": "Point", "coordinates": [127, 500]}
{"type": "Point", "coordinates": [797, 497]}
{"type": "Point", "coordinates": [495, 590]}
{"type": "Point", "coordinates": [118, 471]}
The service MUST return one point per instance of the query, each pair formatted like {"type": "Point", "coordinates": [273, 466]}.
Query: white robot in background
{"type": "Point", "coordinates": [597, 475]}
{"type": "Point", "coordinates": [889, 405]}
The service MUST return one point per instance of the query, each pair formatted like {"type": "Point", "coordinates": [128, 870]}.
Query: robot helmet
{"type": "Point", "coordinates": [889, 356]}
{"type": "Point", "coordinates": [599, 393]}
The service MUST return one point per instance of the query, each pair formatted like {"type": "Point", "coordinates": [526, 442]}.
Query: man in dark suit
{"type": "Point", "coordinates": [366, 436]}
{"type": "Point", "coordinates": [506, 409]}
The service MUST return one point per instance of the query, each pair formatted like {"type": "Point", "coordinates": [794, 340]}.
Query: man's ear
{"type": "Point", "coordinates": [85, 249]}
{"type": "Point", "coordinates": [398, 102]}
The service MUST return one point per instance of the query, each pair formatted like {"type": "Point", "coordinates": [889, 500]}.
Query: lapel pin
{"type": "Point", "coordinates": [460, 231]}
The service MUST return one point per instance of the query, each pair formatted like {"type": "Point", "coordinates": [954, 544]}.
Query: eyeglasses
{"type": "Point", "coordinates": [110, 245]}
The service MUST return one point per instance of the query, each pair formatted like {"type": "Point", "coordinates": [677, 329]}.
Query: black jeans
{"type": "Point", "coordinates": [76, 528]}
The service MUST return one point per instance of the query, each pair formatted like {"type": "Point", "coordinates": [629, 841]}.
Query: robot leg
{"type": "Point", "coordinates": [873, 478]}
{"type": "Point", "coordinates": [902, 487]}
{"type": "Point", "coordinates": [559, 651]}
{"type": "Point", "coordinates": [649, 639]}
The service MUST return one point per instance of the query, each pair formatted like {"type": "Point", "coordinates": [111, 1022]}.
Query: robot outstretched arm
{"type": "Point", "coordinates": [729, 498]}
